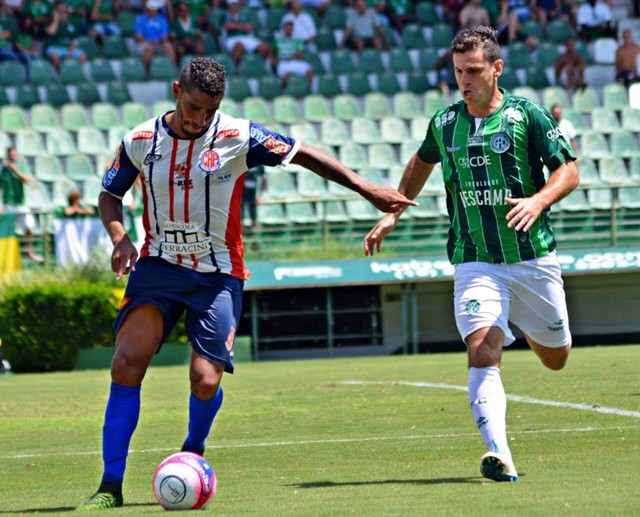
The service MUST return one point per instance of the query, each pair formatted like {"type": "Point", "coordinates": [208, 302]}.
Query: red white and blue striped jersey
{"type": "Point", "coordinates": [192, 188]}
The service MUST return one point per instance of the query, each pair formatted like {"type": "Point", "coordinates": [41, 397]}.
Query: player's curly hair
{"type": "Point", "coordinates": [205, 74]}
{"type": "Point", "coordinates": [478, 37]}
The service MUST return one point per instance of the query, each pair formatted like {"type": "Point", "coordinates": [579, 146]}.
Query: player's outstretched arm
{"type": "Point", "coordinates": [383, 197]}
{"type": "Point", "coordinates": [525, 211]}
{"type": "Point", "coordinates": [125, 254]}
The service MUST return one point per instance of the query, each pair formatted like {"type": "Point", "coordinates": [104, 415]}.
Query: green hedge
{"type": "Point", "coordinates": [43, 326]}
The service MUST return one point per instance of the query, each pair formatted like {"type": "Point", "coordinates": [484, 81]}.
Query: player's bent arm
{"type": "Point", "coordinates": [384, 198]}
{"type": "Point", "coordinates": [125, 254]}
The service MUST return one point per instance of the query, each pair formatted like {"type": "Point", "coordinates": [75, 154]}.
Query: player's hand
{"type": "Point", "coordinates": [388, 199]}
{"type": "Point", "coordinates": [524, 212]}
{"type": "Point", "coordinates": [123, 258]}
{"type": "Point", "coordinates": [373, 240]}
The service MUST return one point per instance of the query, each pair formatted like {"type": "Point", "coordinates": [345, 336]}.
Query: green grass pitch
{"type": "Point", "coordinates": [295, 438]}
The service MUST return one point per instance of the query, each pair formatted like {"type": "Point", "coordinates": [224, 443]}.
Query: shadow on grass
{"type": "Point", "coordinates": [65, 509]}
{"type": "Point", "coordinates": [436, 481]}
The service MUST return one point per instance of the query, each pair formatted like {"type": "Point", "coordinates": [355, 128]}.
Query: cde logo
{"type": "Point", "coordinates": [209, 161]}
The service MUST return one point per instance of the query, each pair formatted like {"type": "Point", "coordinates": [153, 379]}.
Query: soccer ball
{"type": "Point", "coordinates": [184, 481]}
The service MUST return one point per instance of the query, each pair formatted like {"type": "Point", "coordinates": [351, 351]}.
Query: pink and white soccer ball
{"type": "Point", "coordinates": [184, 481]}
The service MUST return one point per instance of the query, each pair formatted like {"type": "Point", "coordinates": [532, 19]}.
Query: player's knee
{"type": "Point", "coordinates": [125, 371]}
{"type": "Point", "coordinates": [205, 390]}
{"type": "Point", "coordinates": [557, 360]}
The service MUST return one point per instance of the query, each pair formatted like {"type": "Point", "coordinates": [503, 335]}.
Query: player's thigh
{"type": "Point", "coordinates": [481, 299]}
{"type": "Point", "coordinates": [140, 335]}
{"type": "Point", "coordinates": [539, 306]}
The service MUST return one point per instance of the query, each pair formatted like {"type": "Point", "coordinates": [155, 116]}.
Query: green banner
{"type": "Point", "coordinates": [274, 275]}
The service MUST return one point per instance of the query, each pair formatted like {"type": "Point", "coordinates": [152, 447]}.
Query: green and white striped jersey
{"type": "Point", "coordinates": [483, 162]}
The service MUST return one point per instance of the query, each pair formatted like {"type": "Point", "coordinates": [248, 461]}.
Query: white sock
{"type": "Point", "coordinates": [489, 407]}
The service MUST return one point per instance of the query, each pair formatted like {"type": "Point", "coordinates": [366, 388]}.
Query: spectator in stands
{"type": "Point", "coordinates": [546, 10]}
{"type": "Point", "coordinates": [594, 20]}
{"type": "Point", "coordinates": [63, 38]}
{"type": "Point", "coordinates": [380, 7]}
{"type": "Point", "coordinates": [151, 33]}
{"type": "Point", "coordinates": [240, 38]}
{"type": "Point", "coordinates": [570, 67]}
{"type": "Point", "coordinates": [288, 56]}
{"type": "Point", "coordinates": [12, 181]}
{"type": "Point", "coordinates": [319, 6]}
{"type": "Point", "coordinates": [451, 12]}
{"type": "Point", "coordinates": [566, 126]}
{"type": "Point", "coordinates": [75, 206]}
{"type": "Point", "coordinates": [473, 13]}
{"type": "Point", "coordinates": [79, 11]}
{"type": "Point", "coordinates": [25, 45]}
{"type": "Point", "coordinates": [446, 74]}
{"type": "Point", "coordinates": [363, 28]}
{"type": "Point", "coordinates": [199, 11]}
{"type": "Point", "coordinates": [41, 11]}
{"type": "Point", "coordinates": [400, 13]}
{"type": "Point", "coordinates": [103, 20]}
{"type": "Point", "coordinates": [254, 184]}
{"type": "Point", "coordinates": [12, 8]}
{"type": "Point", "coordinates": [185, 33]}
{"type": "Point", "coordinates": [304, 26]}
{"type": "Point", "coordinates": [509, 22]}
{"type": "Point", "coordinates": [6, 44]}
{"type": "Point", "coordinates": [627, 59]}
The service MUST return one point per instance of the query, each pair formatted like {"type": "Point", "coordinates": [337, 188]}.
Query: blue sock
{"type": "Point", "coordinates": [120, 421]}
{"type": "Point", "coordinates": [201, 416]}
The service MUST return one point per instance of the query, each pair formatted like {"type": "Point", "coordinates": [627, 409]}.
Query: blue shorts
{"type": "Point", "coordinates": [213, 302]}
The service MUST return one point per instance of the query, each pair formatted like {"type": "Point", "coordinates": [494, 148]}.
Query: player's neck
{"type": "Point", "coordinates": [481, 111]}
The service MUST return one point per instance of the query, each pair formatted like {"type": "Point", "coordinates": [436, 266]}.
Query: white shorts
{"type": "Point", "coordinates": [250, 42]}
{"type": "Point", "coordinates": [295, 67]}
{"type": "Point", "coordinates": [529, 294]}
{"type": "Point", "coordinates": [25, 222]}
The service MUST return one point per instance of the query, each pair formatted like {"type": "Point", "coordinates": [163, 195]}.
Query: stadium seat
{"type": "Point", "coordinates": [441, 35]}
{"type": "Point", "coordinates": [61, 143]}
{"type": "Point", "coordinates": [387, 83]}
{"type": "Point", "coordinates": [364, 131]}
{"type": "Point", "coordinates": [104, 115]}
{"type": "Point", "coordinates": [27, 95]}
{"type": "Point", "coordinates": [4, 98]}
{"type": "Point", "coordinates": [634, 168]}
{"type": "Point", "coordinates": [269, 87]}
{"type": "Point", "coordinates": [345, 107]}
{"type": "Point", "coordinates": [353, 155]}
{"type": "Point", "coordinates": [29, 143]}
{"type": "Point", "coordinates": [407, 149]}
{"type": "Point", "coordinates": [604, 120]}
{"type": "Point", "coordinates": [115, 47]}
{"type": "Point", "coordinates": [48, 168]}
{"type": "Point", "coordinates": [132, 70]}
{"type": "Point", "coordinates": [376, 106]}
{"type": "Point", "coordinates": [91, 188]}
{"type": "Point", "coordinates": [91, 141]}
{"type": "Point", "coordinates": [555, 95]}
{"type": "Point", "coordinates": [87, 93]}
{"type": "Point", "coordinates": [272, 214]}
{"type": "Point", "coordinates": [12, 118]}
{"type": "Point", "coordinates": [588, 172]}
{"type": "Point", "coordinates": [629, 197]}
{"type": "Point", "coordinates": [89, 46]}
{"type": "Point", "coordinates": [594, 145]}
{"type": "Point", "coordinates": [252, 65]}
{"type": "Point", "coordinates": [509, 79]}
{"type": "Point", "coordinates": [315, 61]}
{"type": "Point", "coordinates": [340, 62]}
{"type": "Point", "coordinates": [333, 132]}
{"type": "Point", "coordinates": [532, 28]}
{"type": "Point", "coordinates": [527, 92]}
{"type": "Point", "coordinates": [115, 135]}
{"type": "Point", "coordinates": [413, 37]}
{"type": "Point", "coordinates": [73, 116]}
{"type": "Point", "coordinates": [5, 143]}
{"type": "Point", "coordinates": [615, 96]}
{"type": "Point", "coordinates": [230, 107]}
{"type": "Point", "coordinates": [393, 130]}
{"type": "Point", "coordinates": [559, 30]}
{"type": "Point", "coordinates": [631, 119]}
{"type": "Point", "coordinates": [518, 55]}
{"type": "Point", "coordinates": [577, 119]}
{"type": "Point", "coordinates": [101, 70]}
{"type": "Point", "coordinates": [418, 127]}
{"type": "Point", "coordinates": [238, 88]}
{"type": "Point", "coordinates": [257, 109]}
{"type": "Point", "coordinates": [400, 60]}
{"type": "Point", "coordinates": [118, 93]}
{"type": "Point", "coordinates": [162, 68]}
{"type": "Point", "coordinates": [273, 17]}
{"type": "Point", "coordinates": [361, 210]}
{"type": "Point", "coordinates": [405, 105]}
{"type": "Point", "coordinates": [624, 144]}
{"type": "Point", "coordinates": [585, 99]}
{"type": "Point", "coordinates": [613, 170]}
{"type": "Point", "coordinates": [41, 72]}
{"type": "Point", "coordinates": [315, 108]}
{"type": "Point", "coordinates": [329, 85]}
{"type": "Point", "coordinates": [325, 40]}
{"type": "Point", "coordinates": [418, 82]}
{"type": "Point", "coordinates": [536, 77]}
{"type": "Point", "coordinates": [161, 107]}
{"type": "Point", "coordinates": [433, 101]}
{"type": "Point", "coordinates": [546, 54]}
{"type": "Point", "coordinates": [382, 156]}
{"type": "Point", "coordinates": [134, 113]}
{"type": "Point", "coordinates": [297, 87]}
{"type": "Point", "coordinates": [56, 94]}
{"type": "Point", "coordinates": [576, 201]}
{"type": "Point", "coordinates": [634, 96]}
{"type": "Point", "coordinates": [61, 188]}
{"type": "Point", "coordinates": [79, 167]}
{"type": "Point", "coordinates": [370, 61]}
{"type": "Point", "coordinates": [427, 59]}
{"type": "Point", "coordinates": [44, 118]}
{"type": "Point", "coordinates": [311, 185]}
{"type": "Point", "coordinates": [604, 51]}
{"type": "Point", "coordinates": [285, 110]}
{"type": "Point", "coordinates": [12, 73]}
{"type": "Point", "coordinates": [358, 84]}
{"type": "Point", "coordinates": [37, 196]}
{"type": "Point", "coordinates": [302, 214]}
{"type": "Point", "coordinates": [280, 185]}
{"type": "Point", "coordinates": [72, 72]}
{"type": "Point", "coordinates": [335, 17]}
{"type": "Point", "coordinates": [426, 13]}
{"type": "Point", "coordinates": [332, 211]}
{"type": "Point", "coordinates": [305, 132]}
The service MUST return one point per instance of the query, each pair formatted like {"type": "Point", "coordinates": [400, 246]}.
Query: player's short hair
{"type": "Point", "coordinates": [205, 74]}
{"type": "Point", "coordinates": [478, 37]}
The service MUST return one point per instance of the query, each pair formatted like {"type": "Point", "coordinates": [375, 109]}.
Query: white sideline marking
{"type": "Point", "coordinates": [515, 398]}
{"type": "Point", "coordinates": [328, 441]}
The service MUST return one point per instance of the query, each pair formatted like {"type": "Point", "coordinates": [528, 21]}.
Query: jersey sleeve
{"type": "Point", "coordinates": [120, 176]}
{"type": "Point", "coordinates": [429, 152]}
{"type": "Point", "coordinates": [547, 138]}
{"type": "Point", "coordinates": [268, 147]}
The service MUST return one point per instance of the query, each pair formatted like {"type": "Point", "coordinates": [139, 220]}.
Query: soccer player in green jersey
{"type": "Point", "coordinates": [492, 147]}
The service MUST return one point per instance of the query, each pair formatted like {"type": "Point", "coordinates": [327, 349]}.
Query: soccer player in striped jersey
{"type": "Point", "coordinates": [492, 147]}
{"type": "Point", "coordinates": [193, 163]}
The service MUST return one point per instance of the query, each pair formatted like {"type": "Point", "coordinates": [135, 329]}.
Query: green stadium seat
{"type": "Point", "coordinates": [373, 175]}
{"type": "Point", "coordinates": [91, 188]}
{"type": "Point", "coordinates": [624, 144]}
{"type": "Point", "coordinates": [364, 131]}
{"type": "Point", "coordinates": [4, 98]}
{"type": "Point", "coordinates": [272, 214]}
{"type": "Point", "coordinates": [509, 79]}
{"type": "Point", "coordinates": [353, 155]}
{"type": "Point", "coordinates": [376, 106]}
{"type": "Point", "coordinates": [132, 70]}
{"type": "Point", "coordinates": [305, 132]}
{"type": "Point", "coordinates": [134, 113]}
{"type": "Point", "coordinates": [280, 185]}
{"type": "Point", "coordinates": [631, 119]}
{"type": "Point", "coordinates": [329, 85]}
{"type": "Point", "coordinates": [115, 135]}
{"type": "Point", "coordinates": [79, 167]}
{"type": "Point", "coordinates": [297, 87]}
{"type": "Point", "coordinates": [72, 72]}
{"type": "Point", "coordinates": [311, 185]}
{"type": "Point", "coordinates": [73, 116]}
{"type": "Point", "coordinates": [126, 21]}
{"type": "Point", "coordinates": [577, 119]}
{"type": "Point", "coordinates": [441, 35]}
{"type": "Point", "coordinates": [92, 141]}
{"type": "Point", "coordinates": [37, 196]}
{"type": "Point", "coordinates": [594, 145]}
{"type": "Point", "coordinates": [48, 168]}
{"type": "Point", "coordinates": [387, 83]}
{"type": "Point", "coordinates": [426, 13]}
{"type": "Point", "coordinates": [161, 107]}
{"type": "Point", "coordinates": [405, 105]}
{"type": "Point", "coordinates": [559, 30]}
{"type": "Point", "coordinates": [115, 47]}
{"type": "Point", "coordinates": [518, 55]}
{"type": "Point", "coordinates": [433, 101]}
{"type": "Point", "coordinates": [5, 143]}
{"type": "Point", "coordinates": [118, 93]}
{"type": "Point", "coordinates": [370, 61]}
{"type": "Point", "coordinates": [61, 143]}
{"type": "Point", "coordinates": [230, 107]}
{"type": "Point", "coordinates": [273, 18]}
{"type": "Point", "coordinates": [61, 188]}
{"type": "Point", "coordinates": [104, 115]}
{"type": "Point", "coordinates": [615, 96]}
{"type": "Point", "coordinates": [12, 118]}
{"type": "Point", "coordinates": [162, 68]}
{"type": "Point", "coordinates": [56, 94]}
{"type": "Point", "coordinates": [27, 95]}
{"type": "Point", "coordinates": [87, 94]}
{"type": "Point", "coordinates": [335, 17]}
{"type": "Point", "coordinates": [360, 210]}
{"type": "Point", "coordinates": [340, 62]}
{"type": "Point", "coordinates": [382, 155]}
{"type": "Point", "coordinates": [400, 60]}
{"type": "Point", "coordinates": [44, 118]}
{"type": "Point", "coordinates": [210, 44]}
{"type": "Point", "coordinates": [325, 40]}
{"type": "Point", "coordinates": [418, 127]}
{"type": "Point", "coordinates": [216, 18]}
{"type": "Point", "coordinates": [555, 95]}
{"type": "Point", "coordinates": [332, 211]}
{"type": "Point", "coordinates": [29, 143]}
{"type": "Point", "coordinates": [412, 37]}
{"type": "Point", "coordinates": [613, 170]}
{"type": "Point", "coordinates": [393, 130]}
{"type": "Point", "coordinates": [89, 46]}
{"type": "Point", "coordinates": [303, 214]}
{"type": "Point", "coordinates": [418, 82]}
{"type": "Point", "coordinates": [252, 65]}
{"type": "Point", "coordinates": [585, 99]}
{"type": "Point", "coordinates": [407, 149]}
{"type": "Point", "coordinates": [103, 162]}
{"type": "Point", "coordinates": [629, 197]}
{"type": "Point", "coordinates": [604, 120]}
{"type": "Point", "coordinates": [285, 110]}
{"type": "Point", "coordinates": [41, 72]}
{"type": "Point", "coordinates": [315, 108]}
{"type": "Point", "coordinates": [536, 77]}
{"type": "Point", "coordinates": [589, 176]}
{"type": "Point", "coordinates": [576, 201]}
{"type": "Point", "coordinates": [12, 73]}
{"type": "Point", "coordinates": [427, 59]}
{"type": "Point", "coordinates": [257, 109]}
{"type": "Point", "coordinates": [333, 132]}
{"type": "Point", "coordinates": [527, 92]}
{"type": "Point", "coordinates": [634, 168]}
{"type": "Point", "coordinates": [345, 106]}
{"type": "Point", "coordinates": [315, 61]}
{"type": "Point", "coordinates": [101, 71]}
{"type": "Point", "coordinates": [238, 88]}
{"type": "Point", "coordinates": [547, 53]}
{"type": "Point", "coordinates": [269, 87]}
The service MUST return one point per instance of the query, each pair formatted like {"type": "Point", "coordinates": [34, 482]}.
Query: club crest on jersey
{"type": "Point", "coordinates": [209, 161]}
{"type": "Point", "coordinates": [499, 143]}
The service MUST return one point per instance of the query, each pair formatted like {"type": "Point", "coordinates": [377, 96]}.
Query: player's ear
{"type": "Point", "coordinates": [498, 68]}
{"type": "Point", "coordinates": [176, 90]}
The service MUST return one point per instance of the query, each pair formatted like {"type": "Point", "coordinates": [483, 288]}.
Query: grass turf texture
{"type": "Point", "coordinates": [292, 439]}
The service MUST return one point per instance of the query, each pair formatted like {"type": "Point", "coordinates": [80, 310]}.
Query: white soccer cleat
{"type": "Point", "coordinates": [498, 467]}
